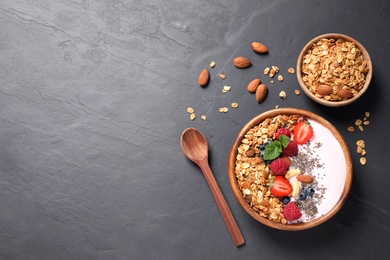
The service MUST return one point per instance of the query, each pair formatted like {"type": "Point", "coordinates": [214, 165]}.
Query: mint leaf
{"type": "Point", "coordinates": [284, 139]}
{"type": "Point", "coordinates": [273, 150]}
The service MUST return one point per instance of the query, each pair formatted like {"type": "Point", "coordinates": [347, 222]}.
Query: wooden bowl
{"type": "Point", "coordinates": [320, 99]}
{"type": "Point", "coordinates": [335, 153]}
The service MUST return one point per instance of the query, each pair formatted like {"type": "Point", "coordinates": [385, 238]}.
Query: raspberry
{"type": "Point", "coordinates": [279, 166]}
{"type": "Point", "coordinates": [282, 131]}
{"type": "Point", "coordinates": [291, 149]}
{"type": "Point", "coordinates": [291, 211]}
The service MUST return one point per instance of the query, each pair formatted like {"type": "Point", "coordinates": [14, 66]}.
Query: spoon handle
{"type": "Point", "coordinates": [227, 215]}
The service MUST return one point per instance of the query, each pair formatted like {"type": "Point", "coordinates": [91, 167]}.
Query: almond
{"type": "Point", "coordinates": [344, 93]}
{"type": "Point", "coordinates": [324, 90]}
{"type": "Point", "coordinates": [305, 178]}
{"type": "Point", "coordinates": [261, 92]}
{"type": "Point", "coordinates": [204, 77]}
{"type": "Point", "coordinates": [259, 47]}
{"type": "Point", "coordinates": [252, 86]}
{"type": "Point", "coordinates": [242, 62]}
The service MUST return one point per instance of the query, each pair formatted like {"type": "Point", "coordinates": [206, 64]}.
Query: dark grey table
{"type": "Point", "coordinates": [93, 99]}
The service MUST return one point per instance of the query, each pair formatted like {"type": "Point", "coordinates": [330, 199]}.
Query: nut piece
{"type": "Point", "coordinates": [344, 93]}
{"type": "Point", "coordinates": [242, 62]}
{"type": "Point", "coordinates": [252, 86]}
{"type": "Point", "coordinates": [324, 90]}
{"type": "Point", "coordinates": [296, 189]}
{"type": "Point", "coordinates": [259, 47]}
{"type": "Point", "coordinates": [261, 92]}
{"type": "Point", "coordinates": [204, 77]}
{"type": "Point", "coordinates": [305, 178]}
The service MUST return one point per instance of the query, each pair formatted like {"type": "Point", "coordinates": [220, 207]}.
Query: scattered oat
{"type": "Point", "coordinates": [223, 109]}
{"type": "Point", "coordinates": [358, 122]}
{"type": "Point", "coordinates": [363, 160]}
{"type": "Point", "coordinates": [297, 92]}
{"type": "Point", "coordinates": [203, 117]}
{"type": "Point", "coordinates": [361, 128]}
{"type": "Point", "coordinates": [190, 110]}
{"type": "Point", "coordinates": [361, 143]}
{"type": "Point", "coordinates": [226, 89]}
{"type": "Point", "coordinates": [272, 82]}
{"type": "Point", "coordinates": [266, 71]}
{"type": "Point", "coordinates": [212, 64]}
{"type": "Point", "coordinates": [351, 128]}
{"type": "Point", "coordinates": [367, 114]}
{"type": "Point", "coordinates": [280, 78]}
{"type": "Point", "coordinates": [282, 94]}
{"type": "Point", "coordinates": [222, 76]}
{"type": "Point", "coordinates": [277, 106]}
{"type": "Point", "coordinates": [192, 116]}
{"type": "Point", "coordinates": [234, 105]}
{"type": "Point", "coordinates": [291, 70]}
{"type": "Point", "coordinates": [272, 73]}
{"type": "Point", "coordinates": [366, 122]}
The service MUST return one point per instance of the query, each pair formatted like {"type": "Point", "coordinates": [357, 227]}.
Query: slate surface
{"type": "Point", "coordinates": [93, 99]}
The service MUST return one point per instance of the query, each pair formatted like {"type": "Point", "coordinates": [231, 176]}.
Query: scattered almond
{"type": "Point", "coordinates": [324, 90]}
{"type": "Point", "coordinates": [305, 178]}
{"type": "Point", "coordinates": [242, 62]}
{"type": "Point", "coordinates": [252, 86]}
{"type": "Point", "coordinates": [261, 92]}
{"type": "Point", "coordinates": [259, 47]}
{"type": "Point", "coordinates": [204, 77]}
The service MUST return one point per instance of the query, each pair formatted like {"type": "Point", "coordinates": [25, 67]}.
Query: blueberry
{"type": "Point", "coordinates": [302, 195]}
{"type": "Point", "coordinates": [309, 191]}
{"type": "Point", "coordinates": [285, 200]}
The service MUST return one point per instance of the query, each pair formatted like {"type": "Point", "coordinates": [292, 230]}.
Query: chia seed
{"type": "Point", "coordinates": [308, 161]}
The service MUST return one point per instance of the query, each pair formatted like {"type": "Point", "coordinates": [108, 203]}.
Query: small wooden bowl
{"type": "Point", "coordinates": [321, 100]}
{"type": "Point", "coordinates": [339, 194]}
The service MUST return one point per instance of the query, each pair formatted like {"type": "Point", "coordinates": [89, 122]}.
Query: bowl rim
{"type": "Point", "coordinates": [233, 181]}
{"type": "Point", "coordinates": [322, 101]}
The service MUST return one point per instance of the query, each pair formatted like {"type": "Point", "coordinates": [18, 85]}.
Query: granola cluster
{"type": "Point", "coordinates": [253, 175]}
{"type": "Point", "coordinates": [337, 63]}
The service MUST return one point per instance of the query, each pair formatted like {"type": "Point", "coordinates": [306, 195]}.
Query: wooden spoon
{"type": "Point", "coordinates": [195, 147]}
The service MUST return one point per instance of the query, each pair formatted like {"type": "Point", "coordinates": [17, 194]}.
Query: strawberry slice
{"type": "Point", "coordinates": [281, 187]}
{"type": "Point", "coordinates": [303, 131]}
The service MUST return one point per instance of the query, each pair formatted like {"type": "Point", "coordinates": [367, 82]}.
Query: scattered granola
{"type": "Point", "coordinates": [223, 109]}
{"type": "Point", "coordinates": [291, 70]}
{"type": "Point", "coordinates": [234, 105]}
{"type": "Point", "coordinates": [226, 89]}
{"type": "Point", "coordinates": [192, 116]}
{"type": "Point", "coordinates": [212, 64]}
{"type": "Point", "coordinates": [222, 76]}
{"type": "Point", "coordinates": [282, 94]}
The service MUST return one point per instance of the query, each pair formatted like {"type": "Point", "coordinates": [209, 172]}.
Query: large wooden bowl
{"type": "Point", "coordinates": [319, 99]}
{"type": "Point", "coordinates": [345, 176]}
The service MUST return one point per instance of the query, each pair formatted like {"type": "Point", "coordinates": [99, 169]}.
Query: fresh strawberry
{"type": "Point", "coordinates": [303, 131]}
{"type": "Point", "coordinates": [291, 211]}
{"type": "Point", "coordinates": [280, 187]}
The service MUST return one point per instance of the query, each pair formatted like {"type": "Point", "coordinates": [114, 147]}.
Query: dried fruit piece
{"type": "Point", "coordinates": [261, 92]}
{"type": "Point", "coordinates": [242, 62]}
{"type": "Point", "coordinates": [204, 77]}
{"type": "Point", "coordinates": [259, 47]}
{"type": "Point", "coordinates": [252, 86]}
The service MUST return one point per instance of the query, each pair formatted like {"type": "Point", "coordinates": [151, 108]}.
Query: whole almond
{"type": "Point", "coordinates": [259, 47]}
{"type": "Point", "coordinates": [261, 92]}
{"type": "Point", "coordinates": [252, 86]}
{"type": "Point", "coordinates": [204, 77]}
{"type": "Point", "coordinates": [242, 62]}
{"type": "Point", "coordinates": [324, 90]}
{"type": "Point", "coordinates": [305, 178]}
{"type": "Point", "coordinates": [344, 93]}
